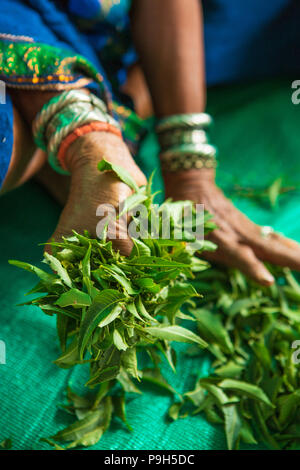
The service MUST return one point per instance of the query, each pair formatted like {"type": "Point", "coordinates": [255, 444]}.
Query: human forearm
{"type": "Point", "coordinates": [168, 36]}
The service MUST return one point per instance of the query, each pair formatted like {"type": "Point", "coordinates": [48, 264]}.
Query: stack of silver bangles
{"type": "Point", "coordinates": [62, 115]}
{"type": "Point", "coordinates": [184, 143]}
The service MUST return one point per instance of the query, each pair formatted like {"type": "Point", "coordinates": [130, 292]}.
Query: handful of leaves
{"type": "Point", "coordinates": [109, 307]}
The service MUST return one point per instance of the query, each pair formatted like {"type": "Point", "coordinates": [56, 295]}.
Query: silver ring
{"type": "Point", "coordinates": [266, 231]}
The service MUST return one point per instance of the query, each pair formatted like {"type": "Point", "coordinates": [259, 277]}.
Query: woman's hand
{"type": "Point", "coordinates": [240, 242]}
{"type": "Point", "coordinates": [89, 188]}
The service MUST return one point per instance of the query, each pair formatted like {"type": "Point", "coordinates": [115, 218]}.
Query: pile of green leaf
{"type": "Point", "coordinates": [254, 339]}
{"type": "Point", "coordinates": [107, 305]}
{"type": "Point", "coordinates": [110, 308]}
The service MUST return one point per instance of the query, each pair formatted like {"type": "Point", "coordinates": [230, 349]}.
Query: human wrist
{"type": "Point", "coordinates": [201, 179]}
{"type": "Point", "coordinates": [89, 149]}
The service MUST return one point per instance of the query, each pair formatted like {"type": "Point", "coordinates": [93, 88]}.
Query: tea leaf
{"type": "Point", "coordinates": [122, 174]}
{"type": "Point", "coordinates": [75, 298]}
{"type": "Point", "coordinates": [175, 333]}
{"type": "Point", "coordinates": [101, 307]}
{"type": "Point", "coordinates": [250, 390]}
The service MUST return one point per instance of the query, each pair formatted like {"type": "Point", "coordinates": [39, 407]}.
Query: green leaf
{"type": "Point", "coordinates": [121, 173]}
{"type": "Point", "coordinates": [43, 275]}
{"type": "Point", "coordinates": [56, 265]}
{"type": "Point", "coordinates": [101, 307]}
{"type": "Point", "coordinates": [174, 411]}
{"type": "Point", "coordinates": [129, 362]}
{"type": "Point", "coordinates": [212, 330]}
{"type": "Point", "coordinates": [233, 425]}
{"type": "Point", "coordinates": [6, 444]}
{"type": "Point", "coordinates": [196, 396]}
{"type": "Point", "coordinates": [250, 390]}
{"type": "Point", "coordinates": [75, 298]}
{"type": "Point", "coordinates": [246, 434]}
{"type": "Point", "coordinates": [230, 370]}
{"type": "Point", "coordinates": [140, 307]}
{"type": "Point", "coordinates": [155, 262]}
{"type": "Point", "coordinates": [155, 377]}
{"type": "Point", "coordinates": [119, 276]}
{"type": "Point", "coordinates": [220, 397]}
{"type": "Point", "coordinates": [175, 333]}
{"type": "Point", "coordinates": [89, 430]}
{"type": "Point", "coordinates": [108, 367]}
{"type": "Point", "coordinates": [126, 383]}
{"type": "Point", "coordinates": [119, 409]}
{"type": "Point", "coordinates": [148, 284]}
{"type": "Point", "coordinates": [132, 309]}
{"type": "Point", "coordinates": [53, 309]}
{"type": "Point", "coordinates": [78, 405]}
{"type": "Point", "coordinates": [119, 341]}
{"type": "Point", "coordinates": [77, 430]}
{"type": "Point", "coordinates": [274, 192]}
{"type": "Point", "coordinates": [52, 443]}
{"type": "Point", "coordinates": [288, 404]}
{"type": "Point", "coordinates": [131, 202]}
{"type": "Point", "coordinates": [69, 357]}
{"type": "Point", "coordinates": [139, 249]}
{"type": "Point", "coordinates": [90, 438]}
{"type": "Point", "coordinates": [244, 304]}
{"type": "Point", "coordinates": [177, 296]}
{"type": "Point", "coordinates": [115, 313]}
{"type": "Point", "coordinates": [62, 330]}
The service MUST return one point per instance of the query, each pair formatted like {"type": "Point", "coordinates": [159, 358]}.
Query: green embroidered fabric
{"type": "Point", "coordinates": [37, 65]}
{"type": "Point", "coordinates": [29, 65]}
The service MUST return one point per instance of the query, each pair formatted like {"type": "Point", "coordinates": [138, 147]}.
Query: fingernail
{"type": "Point", "coordinates": [268, 279]}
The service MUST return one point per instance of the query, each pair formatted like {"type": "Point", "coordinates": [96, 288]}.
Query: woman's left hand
{"type": "Point", "coordinates": [240, 241]}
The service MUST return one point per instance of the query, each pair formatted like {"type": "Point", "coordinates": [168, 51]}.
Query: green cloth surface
{"type": "Point", "coordinates": [257, 133]}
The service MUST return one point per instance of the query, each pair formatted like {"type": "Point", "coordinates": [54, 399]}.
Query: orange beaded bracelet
{"type": "Point", "coordinates": [80, 131]}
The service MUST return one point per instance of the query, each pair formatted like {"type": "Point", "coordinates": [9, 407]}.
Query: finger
{"type": "Point", "coordinates": [116, 231]}
{"type": "Point", "coordinates": [233, 254]}
{"type": "Point", "coordinates": [122, 244]}
{"type": "Point", "coordinates": [277, 249]}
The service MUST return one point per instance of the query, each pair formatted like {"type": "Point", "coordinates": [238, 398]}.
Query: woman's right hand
{"type": "Point", "coordinates": [89, 188]}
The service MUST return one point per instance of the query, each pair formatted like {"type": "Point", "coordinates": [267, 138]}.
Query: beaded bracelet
{"type": "Point", "coordinates": [188, 162]}
{"type": "Point", "coordinates": [79, 132]}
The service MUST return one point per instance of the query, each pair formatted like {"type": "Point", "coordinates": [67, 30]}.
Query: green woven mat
{"type": "Point", "coordinates": [257, 132]}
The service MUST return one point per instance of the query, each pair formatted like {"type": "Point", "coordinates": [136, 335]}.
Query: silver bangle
{"type": "Point", "coordinates": [182, 121]}
{"type": "Point", "coordinates": [203, 150]}
{"type": "Point", "coordinates": [57, 104]}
